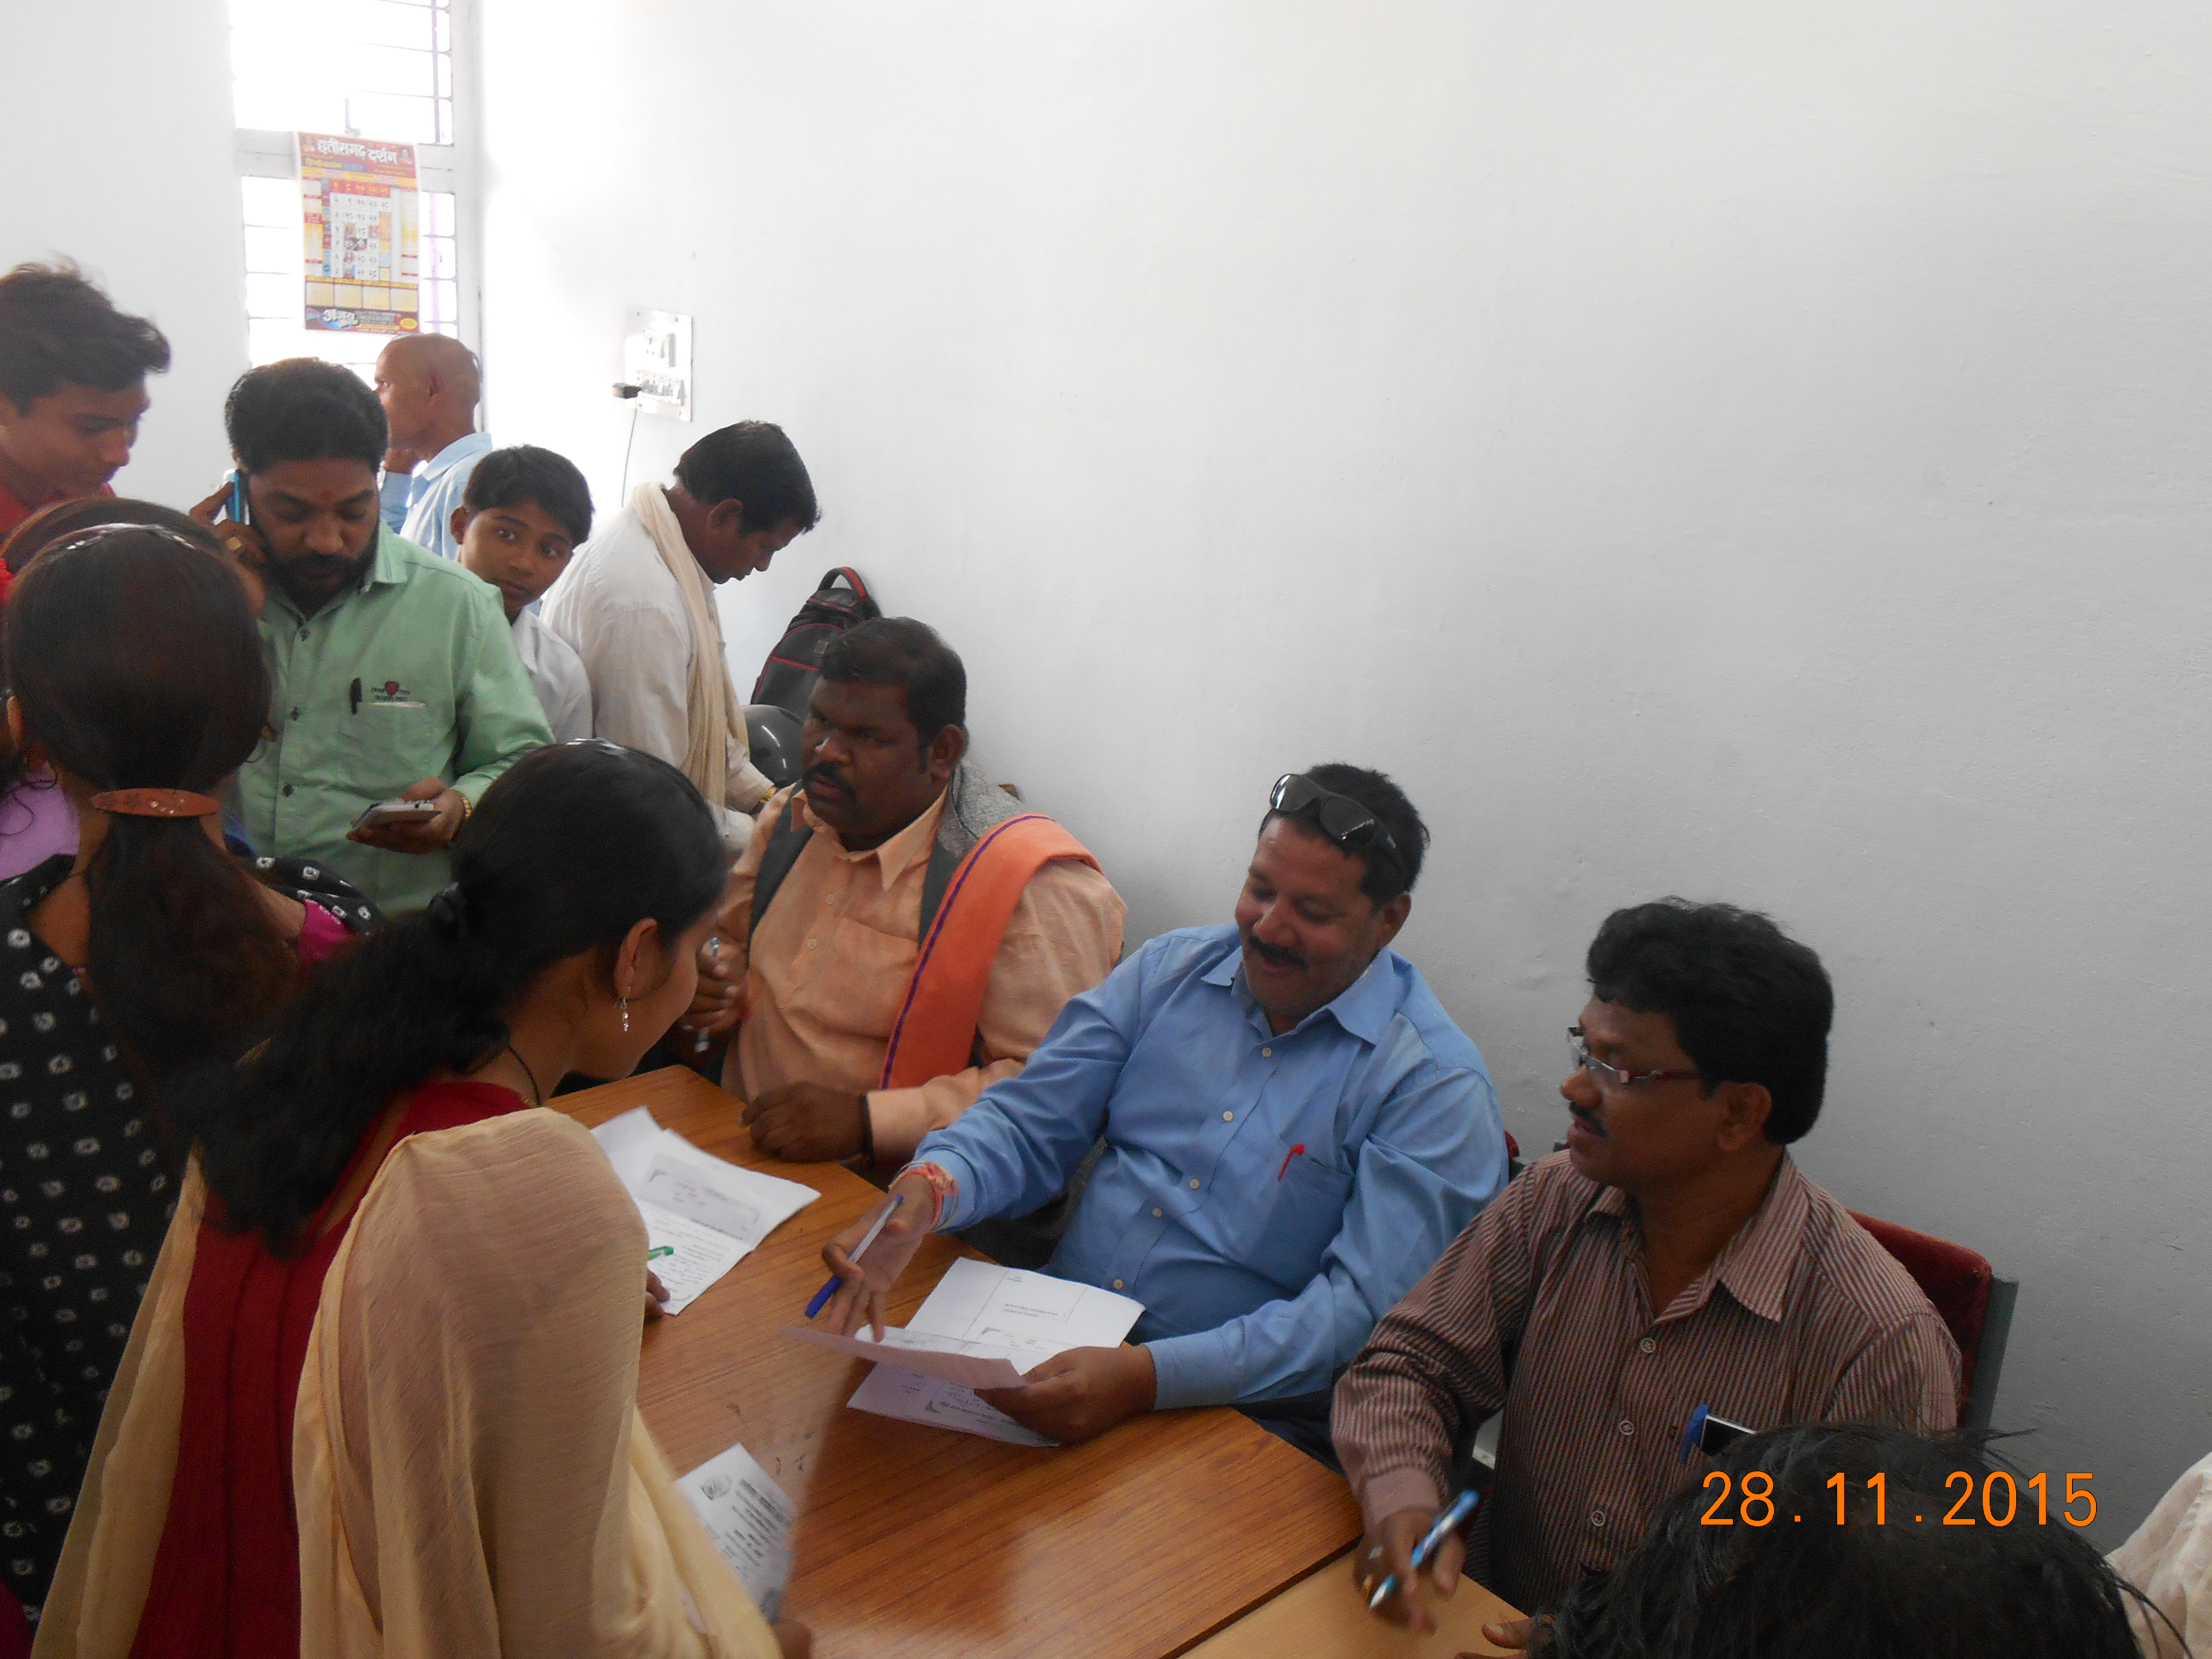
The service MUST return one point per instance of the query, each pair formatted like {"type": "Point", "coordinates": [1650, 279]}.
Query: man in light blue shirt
{"type": "Point", "coordinates": [428, 385]}
{"type": "Point", "coordinates": [1294, 1131]}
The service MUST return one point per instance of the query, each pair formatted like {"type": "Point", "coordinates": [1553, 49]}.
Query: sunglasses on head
{"type": "Point", "coordinates": [1340, 817]}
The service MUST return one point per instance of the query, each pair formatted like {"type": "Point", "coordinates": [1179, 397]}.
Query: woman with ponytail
{"type": "Point", "coordinates": [138, 689]}
{"type": "Point", "coordinates": [381, 1396]}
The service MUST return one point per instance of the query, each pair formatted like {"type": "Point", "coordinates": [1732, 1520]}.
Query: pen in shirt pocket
{"type": "Point", "coordinates": [353, 696]}
{"type": "Point", "coordinates": [1287, 1156]}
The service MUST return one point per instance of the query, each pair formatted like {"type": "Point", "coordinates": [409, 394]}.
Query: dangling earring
{"type": "Point", "coordinates": [625, 1008]}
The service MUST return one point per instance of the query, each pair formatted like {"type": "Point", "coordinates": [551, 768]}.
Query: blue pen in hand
{"type": "Point", "coordinates": [1445, 1524]}
{"type": "Point", "coordinates": [822, 1297]}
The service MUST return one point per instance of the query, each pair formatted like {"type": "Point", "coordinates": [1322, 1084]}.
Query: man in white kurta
{"type": "Point", "coordinates": [637, 604]}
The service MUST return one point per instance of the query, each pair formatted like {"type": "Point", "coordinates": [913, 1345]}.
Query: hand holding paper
{"type": "Point", "coordinates": [979, 1312]}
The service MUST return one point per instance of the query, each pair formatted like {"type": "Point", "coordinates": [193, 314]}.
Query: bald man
{"type": "Point", "coordinates": [428, 384]}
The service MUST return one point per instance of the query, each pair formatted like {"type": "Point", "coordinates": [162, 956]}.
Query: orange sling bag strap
{"type": "Point", "coordinates": [935, 1034]}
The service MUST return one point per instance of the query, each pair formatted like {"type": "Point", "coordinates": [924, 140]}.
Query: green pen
{"type": "Point", "coordinates": [660, 1250]}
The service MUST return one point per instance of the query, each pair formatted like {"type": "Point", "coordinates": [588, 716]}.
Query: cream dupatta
{"type": "Point", "coordinates": [470, 1469]}
{"type": "Point", "coordinates": [719, 758]}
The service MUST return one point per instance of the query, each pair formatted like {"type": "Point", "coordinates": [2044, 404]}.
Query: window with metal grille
{"type": "Point", "coordinates": [392, 70]}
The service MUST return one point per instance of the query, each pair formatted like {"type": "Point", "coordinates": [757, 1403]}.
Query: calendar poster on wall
{"type": "Point", "coordinates": [363, 226]}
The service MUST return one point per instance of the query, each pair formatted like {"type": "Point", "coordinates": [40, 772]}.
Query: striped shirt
{"type": "Point", "coordinates": [1538, 1308]}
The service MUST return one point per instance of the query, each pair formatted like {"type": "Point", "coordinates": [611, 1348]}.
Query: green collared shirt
{"type": "Point", "coordinates": [411, 675]}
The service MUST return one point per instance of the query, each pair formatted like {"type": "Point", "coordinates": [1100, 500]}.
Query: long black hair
{"type": "Point", "coordinates": [572, 849]}
{"type": "Point", "coordinates": [138, 664]}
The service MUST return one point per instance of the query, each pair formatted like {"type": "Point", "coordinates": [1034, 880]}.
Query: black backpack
{"type": "Point", "coordinates": [787, 679]}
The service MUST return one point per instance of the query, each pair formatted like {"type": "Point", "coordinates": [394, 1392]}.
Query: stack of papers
{"type": "Point", "coordinates": [981, 1327]}
{"type": "Point", "coordinates": [702, 1215]}
{"type": "Point", "coordinates": [749, 1518]}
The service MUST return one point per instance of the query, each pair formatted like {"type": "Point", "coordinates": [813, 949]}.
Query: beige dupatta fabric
{"type": "Point", "coordinates": [715, 717]}
{"type": "Point", "coordinates": [472, 1474]}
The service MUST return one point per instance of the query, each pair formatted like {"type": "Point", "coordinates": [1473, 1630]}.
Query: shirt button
{"type": "Point", "coordinates": [1229, 1117]}
{"type": "Point", "coordinates": [1647, 1346]}
{"type": "Point", "coordinates": [303, 633]}
{"type": "Point", "coordinates": [1266, 1053]}
{"type": "Point", "coordinates": [1117, 1284]}
{"type": "Point", "coordinates": [1156, 1210]}
{"type": "Point", "coordinates": [288, 788]}
{"type": "Point", "coordinates": [1194, 1185]}
{"type": "Point", "coordinates": [1597, 1517]}
{"type": "Point", "coordinates": [1627, 1427]}
{"type": "Point", "coordinates": [295, 714]}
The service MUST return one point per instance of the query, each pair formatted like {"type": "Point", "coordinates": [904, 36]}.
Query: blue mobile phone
{"type": "Point", "coordinates": [241, 511]}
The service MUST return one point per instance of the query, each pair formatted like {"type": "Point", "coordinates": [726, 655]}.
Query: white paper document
{"type": "Point", "coordinates": [979, 1311]}
{"type": "Point", "coordinates": [703, 1214]}
{"type": "Point", "coordinates": [970, 1363]}
{"type": "Point", "coordinates": [749, 1518]}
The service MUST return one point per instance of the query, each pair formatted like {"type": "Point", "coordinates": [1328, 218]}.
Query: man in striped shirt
{"type": "Point", "coordinates": [1672, 1257]}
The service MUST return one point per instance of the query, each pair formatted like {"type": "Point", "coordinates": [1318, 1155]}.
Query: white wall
{"type": "Point", "coordinates": [119, 134]}
{"type": "Point", "coordinates": [1739, 451]}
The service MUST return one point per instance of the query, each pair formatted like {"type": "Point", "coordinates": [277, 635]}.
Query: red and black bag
{"type": "Point", "coordinates": [787, 679]}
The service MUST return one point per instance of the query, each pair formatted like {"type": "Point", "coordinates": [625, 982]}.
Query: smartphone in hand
{"type": "Point", "coordinates": [384, 812]}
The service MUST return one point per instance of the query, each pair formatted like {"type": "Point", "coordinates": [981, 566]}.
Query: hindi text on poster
{"type": "Point", "coordinates": [363, 217]}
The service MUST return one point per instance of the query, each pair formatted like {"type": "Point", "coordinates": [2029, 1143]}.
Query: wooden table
{"type": "Point", "coordinates": [919, 1540]}
{"type": "Point", "coordinates": [1326, 1614]}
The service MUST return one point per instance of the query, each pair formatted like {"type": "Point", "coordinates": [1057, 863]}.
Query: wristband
{"type": "Point", "coordinates": [944, 1190]}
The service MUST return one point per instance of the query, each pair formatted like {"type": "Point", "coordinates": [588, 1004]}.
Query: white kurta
{"type": "Point", "coordinates": [618, 606]}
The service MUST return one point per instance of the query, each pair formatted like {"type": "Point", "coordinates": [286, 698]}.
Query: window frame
{"type": "Point", "coordinates": [454, 168]}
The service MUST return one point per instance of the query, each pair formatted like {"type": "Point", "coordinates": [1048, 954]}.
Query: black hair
{"type": "Point", "coordinates": [57, 329]}
{"type": "Point", "coordinates": [910, 654]}
{"type": "Point", "coordinates": [570, 849]}
{"type": "Point", "coordinates": [138, 663]}
{"type": "Point", "coordinates": [526, 476]}
{"type": "Point", "coordinates": [1890, 1581]}
{"type": "Point", "coordinates": [754, 462]}
{"type": "Point", "coordinates": [61, 520]}
{"type": "Point", "coordinates": [1749, 1004]}
{"type": "Point", "coordinates": [303, 409]}
{"type": "Point", "coordinates": [1383, 876]}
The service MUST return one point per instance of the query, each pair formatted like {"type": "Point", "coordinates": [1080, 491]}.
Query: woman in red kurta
{"type": "Point", "coordinates": [381, 1398]}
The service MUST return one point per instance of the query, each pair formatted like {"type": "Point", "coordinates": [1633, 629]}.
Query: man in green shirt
{"type": "Point", "coordinates": [392, 673]}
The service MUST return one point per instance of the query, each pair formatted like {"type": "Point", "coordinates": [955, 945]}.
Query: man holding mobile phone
{"type": "Point", "coordinates": [396, 685]}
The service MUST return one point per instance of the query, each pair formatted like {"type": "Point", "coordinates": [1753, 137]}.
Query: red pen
{"type": "Point", "coordinates": [1287, 1156]}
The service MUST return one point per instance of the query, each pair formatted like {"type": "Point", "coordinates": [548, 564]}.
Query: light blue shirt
{"type": "Point", "coordinates": [419, 505]}
{"type": "Point", "coordinates": [1266, 1198]}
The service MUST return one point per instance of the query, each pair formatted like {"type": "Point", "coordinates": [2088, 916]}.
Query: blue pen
{"type": "Point", "coordinates": [1447, 1523]}
{"type": "Point", "coordinates": [822, 1297]}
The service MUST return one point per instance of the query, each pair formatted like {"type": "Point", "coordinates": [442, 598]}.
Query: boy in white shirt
{"type": "Point", "coordinates": [525, 511]}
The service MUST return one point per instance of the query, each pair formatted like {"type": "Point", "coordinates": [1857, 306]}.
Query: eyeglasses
{"type": "Point", "coordinates": [1340, 817]}
{"type": "Point", "coordinates": [1579, 1059]}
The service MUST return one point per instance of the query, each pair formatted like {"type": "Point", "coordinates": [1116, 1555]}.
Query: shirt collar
{"type": "Point", "coordinates": [387, 568]}
{"type": "Point", "coordinates": [1755, 1265]}
{"type": "Point", "coordinates": [454, 454]}
{"type": "Point", "coordinates": [895, 856]}
{"type": "Point", "coordinates": [1364, 1008]}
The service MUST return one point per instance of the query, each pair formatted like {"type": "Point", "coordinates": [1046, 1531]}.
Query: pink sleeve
{"type": "Point", "coordinates": [320, 934]}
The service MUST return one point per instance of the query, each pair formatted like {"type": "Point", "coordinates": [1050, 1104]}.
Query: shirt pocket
{"type": "Point", "coordinates": [394, 743]}
{"type": "Point", "coordinates": [1291, 1225]}
{"type": "Point", "coordinates": [845, 976]}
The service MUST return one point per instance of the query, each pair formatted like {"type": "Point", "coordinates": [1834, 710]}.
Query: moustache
{"type": "Point", "coordinates": [1274, 955]}
{"type": "Point", "coordinates": [1588, 1119]}
{"type": "Point", "coordinates": [830, 775]}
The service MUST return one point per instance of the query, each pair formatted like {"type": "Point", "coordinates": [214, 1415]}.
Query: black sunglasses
{"type": "Point", "coordinates": [1340, 817]}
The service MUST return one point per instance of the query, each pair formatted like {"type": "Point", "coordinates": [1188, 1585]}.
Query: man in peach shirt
{"type": "Point", "coordinates": [899, 933]}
